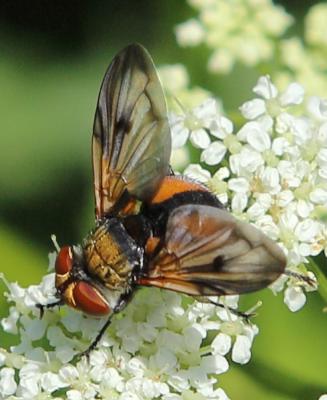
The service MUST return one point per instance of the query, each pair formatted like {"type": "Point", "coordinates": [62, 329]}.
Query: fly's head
{"type": "Point", "coordinates": [74, 287]}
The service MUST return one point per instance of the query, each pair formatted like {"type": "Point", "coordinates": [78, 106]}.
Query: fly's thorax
{"type": "Point", "coordinates": [111, 255]}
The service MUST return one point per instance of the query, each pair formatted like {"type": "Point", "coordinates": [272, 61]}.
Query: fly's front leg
{"type": "Point", "coordinates": [125, 298]}
{"type": "Point", "coordinates": [95, 342]}
{"type": "Point", "coordinates": [42, 307]}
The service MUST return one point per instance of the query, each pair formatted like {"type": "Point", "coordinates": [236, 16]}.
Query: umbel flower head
{"type": "Point", "coordinates": [271, 172]}
{"type": "Point", "coordinates": [241, 30]}
{"type": "Point", "coordinates": [169, 348]}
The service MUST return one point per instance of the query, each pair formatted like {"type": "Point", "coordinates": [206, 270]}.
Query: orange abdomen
{"type": "Point", "coordinates": [172, 185]}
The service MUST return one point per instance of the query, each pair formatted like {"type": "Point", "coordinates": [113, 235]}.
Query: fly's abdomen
{"type": "Point", "coordinates": [111, 254]}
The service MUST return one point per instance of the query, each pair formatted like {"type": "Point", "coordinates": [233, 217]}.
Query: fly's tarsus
{"type": "Point", "coordinates": [42, 307]}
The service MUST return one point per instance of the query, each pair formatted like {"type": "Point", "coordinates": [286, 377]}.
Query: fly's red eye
{"type": "Point", "coordinates": [64, 261]}
{"type": "Point", "coordinates": [89, 300]}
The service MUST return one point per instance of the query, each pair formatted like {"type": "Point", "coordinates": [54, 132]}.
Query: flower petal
{"type": "Point", "coordinates": [253, 109]}
{"type": "Point", "coordinates": [239, 185]}
{"type": "Point", "coordinates": [214, 153]}
{"type": "Point", "coordinates": [265, 88]}
{"type": "Point", "coordinates": [196, 172]}
{"type": "Point", "coordinates": [293, 94]}
{"type": "Point", "coordinates": [241, 350]}
{"type": "Point", "coordinates": [294, 298]}
{"type": "Point", "coordinates": [221, 344]}
{"type": "Point", "coordinates": [200, 138]}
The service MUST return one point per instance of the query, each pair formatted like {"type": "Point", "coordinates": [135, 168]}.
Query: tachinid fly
{"type": "Point", "coordinates": [153, 228]}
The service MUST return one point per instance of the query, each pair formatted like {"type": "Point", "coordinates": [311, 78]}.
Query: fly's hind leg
{"type": "Point", "coordinates": [245, 315]}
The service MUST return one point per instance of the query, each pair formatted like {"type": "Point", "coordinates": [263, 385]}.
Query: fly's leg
{"type": "Point", "coordinates": [125, 298]}
{"type": "Point", "coordinates": [95, 342]}
{"type": "Point", "coordinates": [302, 278]}
{"type": "Point", "coordinates": [42, 307]}
{"type": "Point", "coordinates": [244, 315]}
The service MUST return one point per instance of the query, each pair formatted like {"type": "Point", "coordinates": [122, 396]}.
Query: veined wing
{"type": "Point", "coordinates": [131, 141]}
{"type": "Point", "coordinates": [208, 252]}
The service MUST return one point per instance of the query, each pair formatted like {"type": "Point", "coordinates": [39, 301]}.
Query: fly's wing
{"type": "Point", "coordinates": [131, 141]}
{"type": "Point", "coordinates": [208, 252]}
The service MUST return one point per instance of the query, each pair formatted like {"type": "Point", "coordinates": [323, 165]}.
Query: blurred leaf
{"type": "Point", "coordinates": [292, 342]}
{"type": "Point", "coordinates": [239, 385]}
{"type": "Point", "coordinates": [48, 122]}
{"type": "Point", "coordinates": [20, 259]}
{"type": "Point", "coordinates": [288, 360]}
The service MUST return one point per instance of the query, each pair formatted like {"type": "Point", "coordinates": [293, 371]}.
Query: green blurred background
{"type": "Point", "coordinates": [53, 55]}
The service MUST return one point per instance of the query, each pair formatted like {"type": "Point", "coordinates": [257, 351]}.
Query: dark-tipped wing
{"type": "Point", "coordinates": [131, 141]}
{"type": "Point", "coordinates": [208, 252]}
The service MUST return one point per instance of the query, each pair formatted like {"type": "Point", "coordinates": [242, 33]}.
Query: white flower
{"type": "Point", "coordinates": [214, 153]}
{"type": "Point", "coordinates": [9, 324]}
{"type": "Point", "coordinates": [276, 170]}
{"type": "Point", "coordinates": [222, 344]}
{"type": "Point", "coordinates": [129, 396]}
{"type": "Point", "coordinates": [221, 128]}
{"type": "Point", "coordinates": [34, 329]}
{"type": "Point", "coordinates": [74, 395]}
{"type": "Point", "coordinates": [174, 77]}
{"type": "Point", "coordinates": [218, 185]}
{"type": "Point", "coordinates": [51, 382]}
{"type": "Point", "coordinates": [243, 337]}
{"type": "Point", "coordinates": [222, 61]}
{"type": "Point", "coordinates": [294, 298]}
{"type": "Point", "coordinates": [195, 124]}
{"type": "Point", "coordinates": [197, 173]}
{"type": "Point", "coordinates": [189, 33]}
{"type": "Point", "coordinates": [180, 133]}
{"type": "Point", "coordinates": [241, 350]}
{"type": "Point", "coordinates": [256, 136]}
{"type": "Point", "coordinates": [270, 102]}
{"type": "Point", "coordinates": [198, 124]}
{"type": "Point", "coordinates": [246, 162]}
{"type": "Point", "coordinates": [43, 293]}
{"type": "Point", "coordinates": [239, 185]}
{"type": "Point", "coordinates": [155, 349]}
{"type": "Point", "coordinates": [29, 384]}
{"type": "Point", "coordinates": [244, 33]}
{"type": "Point", "coordinates": [78, 378]}
{"type": "Point", "coordinates": [8, 385]}
{"type": "Point", "coordinates": [315, 25]}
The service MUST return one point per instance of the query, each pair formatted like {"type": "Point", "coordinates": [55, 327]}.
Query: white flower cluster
{"type": "Point", "coordinates": [252, 32]}
{"type": "Point", "coordinates": [239, 30]}
{"type": "Point", "coordinates": [171, 348]}
{"type": "Point", "coordinates": [273, 170]}
{"type": "Point", "coordinates": [304, 59]}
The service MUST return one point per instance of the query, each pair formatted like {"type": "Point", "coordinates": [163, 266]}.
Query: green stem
{"type": "Point", "coordinates": [322, 279]}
